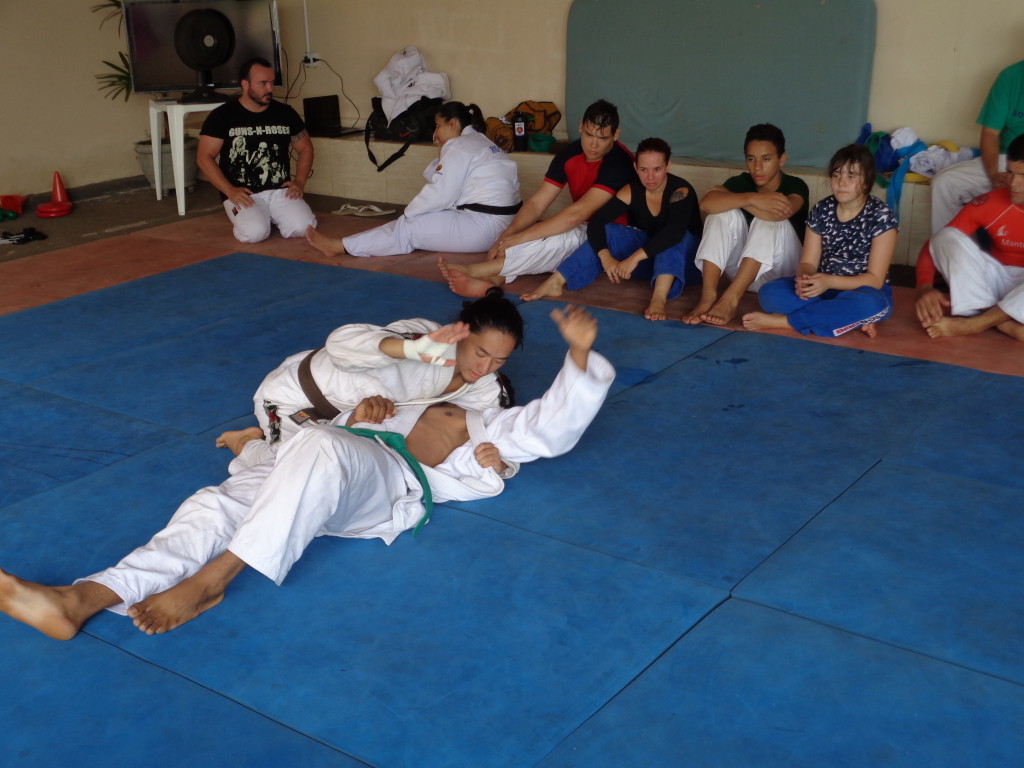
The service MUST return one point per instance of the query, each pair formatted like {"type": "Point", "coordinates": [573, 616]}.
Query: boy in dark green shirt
{"type": "Point", "coordinates": [753, 230]}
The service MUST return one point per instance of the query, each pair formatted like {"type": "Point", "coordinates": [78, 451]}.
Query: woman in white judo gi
{"type": "Point", "coordinates": [471, 195]}
{"type": "Point", "coordinates": [327, 481]}
{"type": "Point", "coordinates": [408, 362]}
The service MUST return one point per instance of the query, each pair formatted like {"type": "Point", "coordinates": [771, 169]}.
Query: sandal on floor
{"type": "Point", "coordinates": [373, 210]}
{"type": "Point", "coordinates": [348, 209]}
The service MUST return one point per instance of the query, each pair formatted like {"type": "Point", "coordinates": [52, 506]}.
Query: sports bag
{"type": "Point", "coordinates": [545, 116]}
{"type": "Point", "coordinates": [414, 124]}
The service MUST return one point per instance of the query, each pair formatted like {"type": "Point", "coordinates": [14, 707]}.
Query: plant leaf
{"type": "Point", "coordinates": [114, 9]}
{"type": "Point", "coordinates": [118, 82]}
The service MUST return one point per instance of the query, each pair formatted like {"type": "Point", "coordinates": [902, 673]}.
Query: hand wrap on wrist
{"type": "Point", "coordinates": [424, 346]}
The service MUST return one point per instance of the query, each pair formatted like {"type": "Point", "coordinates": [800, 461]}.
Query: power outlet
{"type": "Point", "coordinates": [311, 59]}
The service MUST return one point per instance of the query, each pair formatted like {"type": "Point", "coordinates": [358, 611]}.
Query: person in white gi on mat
{"type": "Point", "coordinates": [327, 481]}
{"type": "Point", "coordinates": [361, 359]}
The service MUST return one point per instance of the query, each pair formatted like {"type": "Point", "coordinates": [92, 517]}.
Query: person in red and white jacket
{"type": "Point", "coordinates": [986, 289]}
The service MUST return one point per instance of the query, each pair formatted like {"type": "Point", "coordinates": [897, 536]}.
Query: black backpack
{"type": "Point", "coordinates": [414, 124]}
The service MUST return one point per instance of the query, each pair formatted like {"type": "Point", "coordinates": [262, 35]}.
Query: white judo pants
{"type": "Point", "coordinates": [955, 186]}
{"type": "Point", "coordinates": [976, 280]}
{"type": "Point", "coordinates": [448, 230]}
{"type": "Point", "coordinates": [325, 481]}
{"type": "Point", "coordinates": [539, 256]}
{"type": "Point", "coordinates": [271, 207]}
{"type": "Point", "coordinates": [728, 240]}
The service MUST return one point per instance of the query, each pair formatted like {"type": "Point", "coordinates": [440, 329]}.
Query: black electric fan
{"type": "Point", "coordinates": [204, 39]}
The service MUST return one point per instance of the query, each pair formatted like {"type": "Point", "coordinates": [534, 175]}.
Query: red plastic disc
{"type": "Point", "coordinates": [53, 210]}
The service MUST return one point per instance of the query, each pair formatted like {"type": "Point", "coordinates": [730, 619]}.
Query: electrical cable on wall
{"type": "Point", "coordinates": [312, 60]}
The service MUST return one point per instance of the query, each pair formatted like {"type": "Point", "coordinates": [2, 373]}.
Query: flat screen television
{"type": "Point", "coordinates": [218, 35]}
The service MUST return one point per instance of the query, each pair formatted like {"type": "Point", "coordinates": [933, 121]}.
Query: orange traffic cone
{"type": "Point", "coordinates": [60, 195]}
{"type": "Point", "coordinates": [59, 204]}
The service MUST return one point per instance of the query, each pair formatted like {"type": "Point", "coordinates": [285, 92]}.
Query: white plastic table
{"type": "Point", "coordinates": [176, 121]}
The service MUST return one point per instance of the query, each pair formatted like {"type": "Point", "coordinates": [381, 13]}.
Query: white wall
{"type": "Point", "coordinates": [54, 118]}
{"type": "Point", "coordinates": [934, 62]}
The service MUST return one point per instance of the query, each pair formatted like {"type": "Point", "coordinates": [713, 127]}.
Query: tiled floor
{"type": "Point", "coordinates": [53, 275]}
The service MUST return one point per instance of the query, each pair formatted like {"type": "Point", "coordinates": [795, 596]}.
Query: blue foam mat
{"type": "Point", "coordinates": [707, 467]}
{"type": "Point", "coordinates": [940, 553]}
{"type": "Point", "coordinates": [85, 328]}
{"type": "Point", "coordinates": [638, 348]}
{"type": "Point", "coordinates": [508, 623]}
{"type": "Point", "coordinates": [753, 686]}
{"type": "Point", "coordinates": [972, 431]}
{"type": "Point", "coordinates": [89, 705]}
{"type": "Point", "coordinates": [49, 440]}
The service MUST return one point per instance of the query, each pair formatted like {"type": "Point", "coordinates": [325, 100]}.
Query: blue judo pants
{"type": "Point", "coordinates": [583, 267]}
{"type": "Point", "coordinates": [833, 313]}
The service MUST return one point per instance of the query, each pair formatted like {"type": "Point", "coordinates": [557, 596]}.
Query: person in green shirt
{"type": "Point", "coordinates": [1001, 120]}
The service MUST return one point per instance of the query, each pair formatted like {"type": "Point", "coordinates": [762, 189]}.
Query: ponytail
{"type": "Point", "coordinates": [470, 115]}
{"type": "Point", "coordinates": [477, 118]}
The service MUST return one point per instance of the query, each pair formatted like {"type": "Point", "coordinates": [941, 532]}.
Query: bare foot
{"type": "Point", "coordinates": [1012, 329]}
{"type": "Point", "coordinates": [57, 612]}
{"type": "Point", "coordinates": [168, 610]}
{"type": "Point", "coordinates": [446, 273]}
{"type": "Point", "coordinates": [655, 310]}
{"type": "Point", "coordinates": [551, 287]}
{"type": "Point", "coordinates": [184, 601]}
{"type": "Point", "coordinates": [870, 330]}
{"type": "Point", "coordinates": [328, 246]}
{"type": "Point", "coordinates": [723, 311]}
{"type": "Point", "coordinates": [696, 315]}
{"type": "Point", "coordinates": [955, 326]}
{"type": "Point", "coordinates": [235, 439]}
{"type": "Point", "coordinates": [757, 321]}
{"type": "Point", "coordinates": [461, 283]}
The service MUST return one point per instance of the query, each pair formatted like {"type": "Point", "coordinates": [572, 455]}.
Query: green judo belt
{"type": "Point", "coordinates": [396, 442]}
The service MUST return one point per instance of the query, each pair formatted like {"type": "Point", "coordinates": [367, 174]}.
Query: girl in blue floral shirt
{"type": "Point", "coordinates": [842, 282]}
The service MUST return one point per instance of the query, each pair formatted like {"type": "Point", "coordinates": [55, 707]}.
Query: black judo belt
{"type": "Point", "coordinates": [321, 408]}
{"type": "Point", "coordinates": [496, 210]}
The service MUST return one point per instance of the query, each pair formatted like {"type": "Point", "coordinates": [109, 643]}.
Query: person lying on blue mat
{"type": "Point", "coordinates": [407, 361]}
{"type": "Point", "coordinates": [374, 477]}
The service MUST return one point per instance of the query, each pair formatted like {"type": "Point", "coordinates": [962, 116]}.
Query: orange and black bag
{"type": "Point", "coordinates": [545, 116]}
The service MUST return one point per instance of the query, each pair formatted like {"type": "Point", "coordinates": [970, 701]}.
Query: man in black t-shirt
{"type": "Point", "coordinates": [252, 136]}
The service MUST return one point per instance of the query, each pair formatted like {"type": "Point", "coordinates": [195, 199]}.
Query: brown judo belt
{"type": "Point", "coordinates": [321, 409]}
